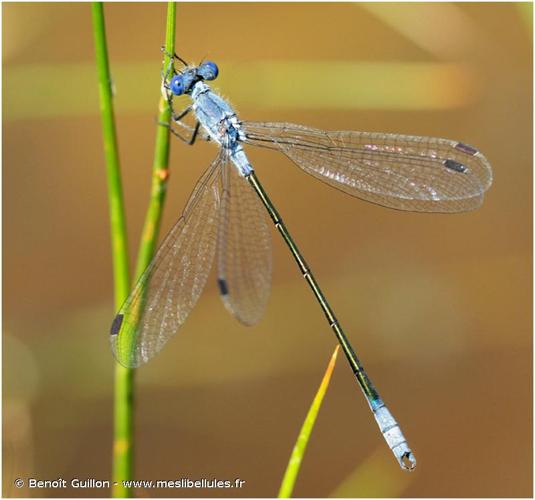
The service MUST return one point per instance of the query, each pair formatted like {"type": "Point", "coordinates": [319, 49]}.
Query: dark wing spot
{"type": "Point", "coordinates": [116, 325]}
{"type": "Point", "coordinates": [223, 287]}
{"type": "Point", "coordinates": [465, 148]}
{"type": "Point", "coordinates": [455, 165]}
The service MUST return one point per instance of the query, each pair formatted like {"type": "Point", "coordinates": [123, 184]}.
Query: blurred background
{"type": "Point", "coordinates": [438, 306]}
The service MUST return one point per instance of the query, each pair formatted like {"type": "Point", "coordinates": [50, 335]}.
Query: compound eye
{"type": "Point", "coordinates": [177, 85]}
{"type": "Point", "coordinates": [208, 70]}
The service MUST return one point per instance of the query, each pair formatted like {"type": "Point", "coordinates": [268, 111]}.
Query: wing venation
{"type": "Point", "coordinates": [170, 286]}
{"type": "Point", "coordinates": [404, 172]}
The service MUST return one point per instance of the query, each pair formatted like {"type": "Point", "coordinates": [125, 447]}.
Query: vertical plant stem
{"type": "Point", "coordinates": [123, 444]}
{"type": "Point", "coordinates": [123, 431]}
{"type": "Point", "coordinates": [113, 172]}
{"type": "Point", "coordinates": [160, 167]}
{"type": "Point", "coordinates": [123, 395]}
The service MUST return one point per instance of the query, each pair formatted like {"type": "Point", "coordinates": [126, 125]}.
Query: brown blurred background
{"type": "Point", "coordinates": [438, 306]}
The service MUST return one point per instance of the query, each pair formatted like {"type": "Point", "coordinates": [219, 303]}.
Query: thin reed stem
{"type": "Point", "coordinates": [160, 167]}
{"type": "Point", "coordinates": [115, 190]}
{"type": "Point", "coordinates": [123, 437]}
{"type": "Point", "coordinates": [123, 394]}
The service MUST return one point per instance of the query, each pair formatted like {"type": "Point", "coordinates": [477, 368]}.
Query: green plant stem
{"type": "Point", "coordinates": [123, 443]}
{"type": "Point", "coordinates": [294, 464]}
{"type": "Point", "coordinates": [160, 167]}
{"type": "Point", "coordinates": [149, 238]}
{"type": "Point", "coordinates": [123, 395]}
{"type": "Point", "coordinates": [113, 172]}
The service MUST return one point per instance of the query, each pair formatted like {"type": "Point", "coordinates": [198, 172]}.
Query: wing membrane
{"type": "Point", "coordinates": [170, 286]}
{"type": "Point", "coordinates": [244, 250]}
{"type": "Point", "coordinates": [398, 171]}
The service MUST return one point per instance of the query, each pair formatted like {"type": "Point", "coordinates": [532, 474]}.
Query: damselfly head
{"type": "Point", "coordinates": [208, 70]}
{"type": "Point", "coordinates": [176, 85]}
{"type": "Point", "coordinates": [183, 82]}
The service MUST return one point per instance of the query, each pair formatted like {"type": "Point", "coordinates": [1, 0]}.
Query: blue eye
{"type": "Point", "coordinates": [208, 70]}
{"type": "Point", "coordinates": [177, 85]}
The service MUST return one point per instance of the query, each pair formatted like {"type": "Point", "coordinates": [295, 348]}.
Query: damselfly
{"type": "Point", "coordinates": [225, 218]}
